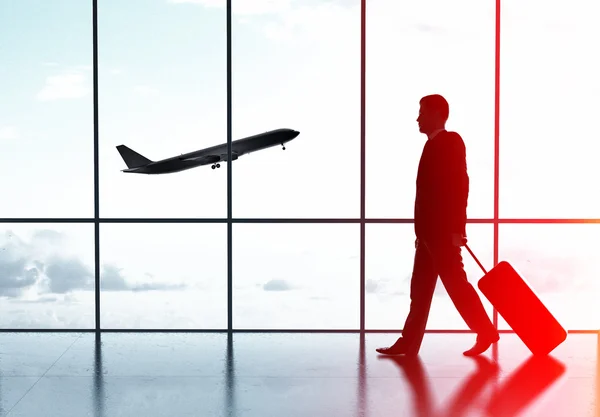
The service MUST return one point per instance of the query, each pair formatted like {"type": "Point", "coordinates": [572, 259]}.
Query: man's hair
{"type": "Point", "coordinates": [437, 103]}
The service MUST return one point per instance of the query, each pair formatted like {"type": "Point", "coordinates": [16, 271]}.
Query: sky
{"type": "Point", "coordinates": [296, 64]}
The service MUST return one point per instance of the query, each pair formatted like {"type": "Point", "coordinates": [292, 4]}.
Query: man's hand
{"type": "Point", "coordinates": [458, 239]}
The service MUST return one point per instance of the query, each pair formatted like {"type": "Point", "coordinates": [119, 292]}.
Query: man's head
{"type": "Point", "coordinates": [433, 113]}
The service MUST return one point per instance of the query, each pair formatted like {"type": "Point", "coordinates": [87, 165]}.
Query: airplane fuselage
{"type": "Point", "coordinates": [215, 154]}
{"type": "Point", "coordinates": [165, 166]}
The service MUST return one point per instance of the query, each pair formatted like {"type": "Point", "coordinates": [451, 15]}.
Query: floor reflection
{"type": "Point", "coordinates": [361, 398]}
{"type": "Point", "coordinates": [525, 385]}
{"type": "Point", "coordinates": [264, 388]}
{"type": "Point", "coordinates": [461, 402]}
{"type": "Point", "coordinates": [230, 378]}
{"type": "Point", "coordinates": [522, 387]}
{"type": "Point", "coordinates": [99, 394]}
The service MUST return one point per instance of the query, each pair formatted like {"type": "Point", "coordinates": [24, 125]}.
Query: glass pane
{"type": "Point", "coordinates": [559, 261]}
{"type": "Point", "coordinates": [296, 276]}
{"type": "Point", "coordinates": [292, 71]}
{"type": "Point", "coordinates": [390, 250]}
{"type": "Point", "coordinates": [413, 50]}
{"type": "Point", "coordinates": [47, 276]}
{"type": "Point", "coordinates": [169, 276]}
{"type": "Point", "coordinates": [163, 94]}
{"type": "Point", "coordinates": [46, 109]}
{"type": "Point", "coordinates": [549, 165]}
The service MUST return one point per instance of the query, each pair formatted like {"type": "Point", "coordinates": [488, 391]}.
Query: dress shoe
{"type": "Point", "coordinates": [481, 345]}
{"type": "Point", "coordinates": [398, 348]}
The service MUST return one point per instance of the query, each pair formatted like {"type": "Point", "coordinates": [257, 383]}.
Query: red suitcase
{"type": "Point", "coordinates": [520, 307]}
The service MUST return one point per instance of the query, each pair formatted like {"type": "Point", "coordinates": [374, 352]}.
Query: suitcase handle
{"type": "Point", "coordinates": [475, 257]}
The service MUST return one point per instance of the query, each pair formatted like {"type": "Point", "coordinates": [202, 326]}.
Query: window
{"type": "Point", "coordinates": [163, 93]}
{"type": "Point", "coordinates": [46, 109]}
{"type": "Point", "coordinates": [559, 263]}
{"type": "Point", "coordinates": [291, 70]}
{"type": "Point", "coordinates": [296, 276]}
{"type": "Point", "coordinates": [413, 50]}
{"type": "Point", "coordinates": [390, 250]}
{"type": "Point", "coordinates": [549, 89]}
{"type": "Point", "coordinates": [163, 276]}
{"type": "Point", "coordinates": [47, 276]}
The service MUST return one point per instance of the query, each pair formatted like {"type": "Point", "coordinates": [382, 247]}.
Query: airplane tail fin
{"type": "Point", "coordinates": [132, 158]}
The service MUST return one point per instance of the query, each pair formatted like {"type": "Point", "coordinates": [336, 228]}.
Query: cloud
{"type": "Point", "coordinates": [9, 133]}
{"type": "Point", "coordinates": [277, 285]}
{"type": "Point", "coordinates": [65, 275]}
{"type": "Point", "coordinates": [68, 85]}
{"type": "Point", "coordinates": [40, 267]}
{"type": "Point", "coordinates": [15, 277]}
{"type": "Point", "coordinates": [112, 280]}
{"type": "Point", "coordinates": [20, 271]}
{"type": "Point", "coordinates": [41, 300]}
{"type": "Point", "coordinates": [388, 286]}
{"type": "Point", "coordinates": [371, 286]}
{"type": "Point", "coordinates": [48, 235]}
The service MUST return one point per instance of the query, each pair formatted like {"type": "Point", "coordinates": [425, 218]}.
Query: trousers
{"type": "Point", "coordinates": [441, 258]}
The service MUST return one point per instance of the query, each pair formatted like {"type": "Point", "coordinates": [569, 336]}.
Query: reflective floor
{"type": "Point", "coordinates": [191, 374]}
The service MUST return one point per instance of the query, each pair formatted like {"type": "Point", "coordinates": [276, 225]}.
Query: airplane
{"type": "Point", "coordinates": [139, 164]}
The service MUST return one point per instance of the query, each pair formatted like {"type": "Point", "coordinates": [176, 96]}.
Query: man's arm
{"type": "Point", "coordinates": [452, 184]}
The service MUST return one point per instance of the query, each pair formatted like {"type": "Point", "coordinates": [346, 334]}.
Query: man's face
{"type": "Point", "coordinates": [426, 120]}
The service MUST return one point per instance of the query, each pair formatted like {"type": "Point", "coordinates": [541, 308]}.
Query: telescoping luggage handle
{"type": "Point", "coordinates": [475, 257]}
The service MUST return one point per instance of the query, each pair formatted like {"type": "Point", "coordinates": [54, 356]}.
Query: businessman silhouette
{"type": "Point", "coordinates": [440, 223]}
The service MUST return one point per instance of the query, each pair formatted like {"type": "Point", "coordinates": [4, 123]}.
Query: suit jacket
{"type": "Point", "coordinates": [442, 188]}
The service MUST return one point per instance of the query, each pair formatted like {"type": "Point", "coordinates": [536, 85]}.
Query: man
{"type": "Point", "coordinates": [440, 223]}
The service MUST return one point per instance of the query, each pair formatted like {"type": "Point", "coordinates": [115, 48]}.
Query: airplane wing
{"type": "Point", "coordinates": [234, 156]}
{"type": "Point", "coordinates": [209, 159]}
{"type": "Point", "coordinates": [203, 159]}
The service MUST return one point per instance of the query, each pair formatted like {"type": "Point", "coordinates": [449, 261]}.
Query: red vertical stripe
{"type": "Point", "coordinates": [497, 144]}
{"type": "Point", "coordinates": [363, 11]}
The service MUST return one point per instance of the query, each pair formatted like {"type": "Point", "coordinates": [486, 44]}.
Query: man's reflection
{"type": "Point", "coordinates": [461, 402]}
{"type": "Point", "coordinates": [522, 387]}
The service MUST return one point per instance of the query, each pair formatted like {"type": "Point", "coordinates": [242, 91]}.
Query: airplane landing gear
{"type": "Point", "coordinates": [216, 166]}
{"type": "Point", "coordinates": [283, 146]}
